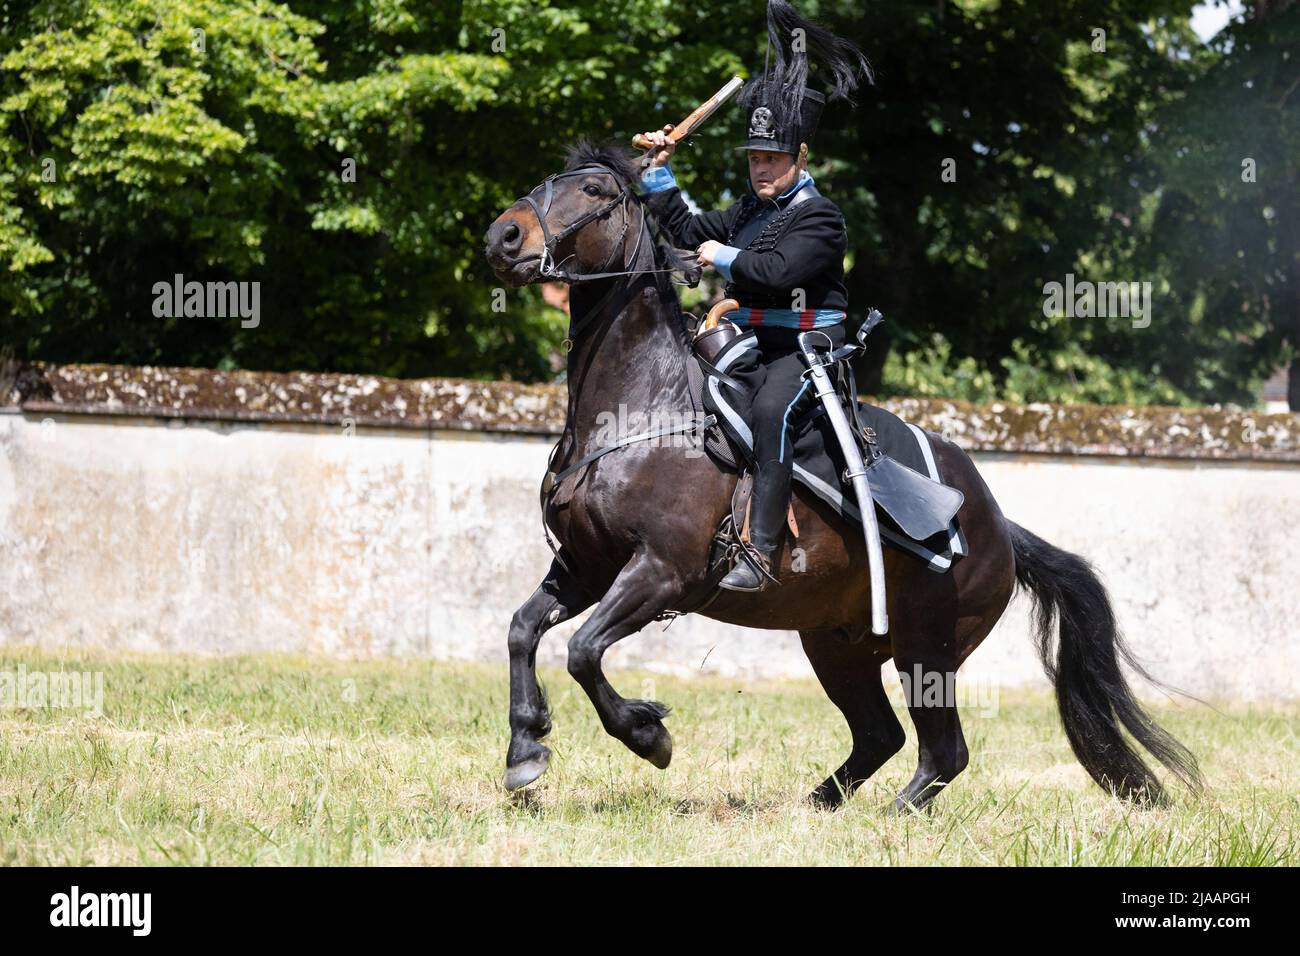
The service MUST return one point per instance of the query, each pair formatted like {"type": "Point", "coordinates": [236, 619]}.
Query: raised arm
{"type": "Point", "coordinates": [664, 198]}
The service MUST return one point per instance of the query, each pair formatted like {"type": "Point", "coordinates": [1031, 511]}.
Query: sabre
{"type": "Point", "coordinates": [697, 118]}
{"type": "Point", "coordinates": [856, 469]}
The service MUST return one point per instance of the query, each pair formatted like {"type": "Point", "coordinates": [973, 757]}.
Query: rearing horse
{"type": "Point", "coordinates": [635, 529]}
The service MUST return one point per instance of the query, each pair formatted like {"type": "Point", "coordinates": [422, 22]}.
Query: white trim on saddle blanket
{"type": "Point", "coordinates": [936, 561]}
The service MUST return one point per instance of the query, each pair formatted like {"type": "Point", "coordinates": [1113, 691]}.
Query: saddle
{"type": "Point", "coordinates": [916, 510]}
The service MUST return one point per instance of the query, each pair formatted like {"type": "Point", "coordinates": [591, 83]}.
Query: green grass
{"type": "Point", "coordinates": [274, 760]}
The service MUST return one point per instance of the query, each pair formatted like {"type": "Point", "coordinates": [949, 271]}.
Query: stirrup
{"type": "Point", "coordinates": [748, 558]}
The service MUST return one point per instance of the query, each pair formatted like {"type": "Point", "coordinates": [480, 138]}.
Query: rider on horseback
{"type": "Point", "coordinates": [781, 251]}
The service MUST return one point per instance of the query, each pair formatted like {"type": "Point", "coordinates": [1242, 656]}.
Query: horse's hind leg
{"type": "Point", "coordinates": [942, 748]}
{"type": "Point", "coordinates": [850, 675]}
{"type": "Point", "coordinates": [927, 653]}
{"type": "Point", "coordinates": [927, 656]}
{"type": "Point", "coordinates": [643, 589]}
{"type": "Point", "coordinates": [946, 619]}
{"type": "Point", "coordinates": [557, 599]}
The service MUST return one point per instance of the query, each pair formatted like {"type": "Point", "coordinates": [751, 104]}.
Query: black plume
{"type": "Point", "coordinates": [847, 64]}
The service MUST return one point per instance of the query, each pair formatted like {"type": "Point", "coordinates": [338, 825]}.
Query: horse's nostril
{"type": "Point", "coordinates": [510, 235]}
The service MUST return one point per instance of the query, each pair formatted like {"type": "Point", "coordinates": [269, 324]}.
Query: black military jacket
{"type": "Point", "coordinates": [797, 242]}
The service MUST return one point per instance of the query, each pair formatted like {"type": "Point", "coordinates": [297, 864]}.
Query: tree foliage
{"type": "Point", "coordinates": [140, 139]}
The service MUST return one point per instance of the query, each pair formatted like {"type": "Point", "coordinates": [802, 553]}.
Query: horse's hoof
{"type": "Point", "coordinates": [826, 798]}
{"type": "Point", "coordinates": [905, 808]}
{"type": "Point", "coordinates": [662, 754]}
{"type": "Point", "coordinates": [522, 774]}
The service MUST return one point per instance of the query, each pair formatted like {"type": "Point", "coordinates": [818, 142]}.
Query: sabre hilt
{"type": "Point", "coordinates": [810, 353]}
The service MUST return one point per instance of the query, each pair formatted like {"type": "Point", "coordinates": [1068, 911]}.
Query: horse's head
{"type": "Point", "coordinates": [577, 221]}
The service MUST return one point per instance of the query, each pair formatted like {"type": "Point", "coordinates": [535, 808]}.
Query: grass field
{"type": "Point", "coordinates": [273, 760]}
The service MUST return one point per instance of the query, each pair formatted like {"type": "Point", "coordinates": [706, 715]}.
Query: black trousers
{"type": "Point", "coordinates": [780, 397]}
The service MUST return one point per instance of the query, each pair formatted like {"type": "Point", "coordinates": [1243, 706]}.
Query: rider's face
{"type": "Point", "coordinates": [772, 174]}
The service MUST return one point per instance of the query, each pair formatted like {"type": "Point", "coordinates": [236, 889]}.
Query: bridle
{"type": "Point", "coordinates": [549, 268]}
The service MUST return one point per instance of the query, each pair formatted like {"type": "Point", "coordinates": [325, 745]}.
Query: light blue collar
{"type": "Point", "coordinates": [805, 178]}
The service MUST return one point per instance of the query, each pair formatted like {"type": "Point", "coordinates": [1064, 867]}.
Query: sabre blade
{"type": "Point", "coordinates": [824, 389]}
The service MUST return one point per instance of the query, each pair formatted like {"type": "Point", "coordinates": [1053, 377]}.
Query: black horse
{"type": "Point", "coordinates": [635, 529]}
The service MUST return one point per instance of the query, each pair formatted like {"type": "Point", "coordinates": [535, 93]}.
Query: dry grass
{"type": "Point", "coordinates": [274, 760]}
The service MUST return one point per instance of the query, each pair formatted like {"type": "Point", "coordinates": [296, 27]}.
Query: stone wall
{"type": "Point", "coordinates": [213, 512]}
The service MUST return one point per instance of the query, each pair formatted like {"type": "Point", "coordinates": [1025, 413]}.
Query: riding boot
{"type": "Point", "coordinates": [771, 498]}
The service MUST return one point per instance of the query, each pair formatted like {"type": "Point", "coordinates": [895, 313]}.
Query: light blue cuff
{"type": "Point", "coordinates": [723, 258]}
{"type": "Point", "coordinates": [658, 178]}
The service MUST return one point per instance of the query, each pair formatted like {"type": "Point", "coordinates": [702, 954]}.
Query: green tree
{"type": "Point", "coordinates": [209, 138]}
{"type": "Point", "coordinates": [1225, 222]}
{"type": "Point", "coordinates": [215, 138]}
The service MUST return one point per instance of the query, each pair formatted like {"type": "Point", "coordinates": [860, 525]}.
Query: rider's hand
{"type": "Point", "coordinates": [664, 146]}
{"type": "Point", "coordinates": [707, 250]}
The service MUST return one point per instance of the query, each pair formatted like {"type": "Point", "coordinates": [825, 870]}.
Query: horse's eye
{"type": "Point", "coordinates": [591, 189]}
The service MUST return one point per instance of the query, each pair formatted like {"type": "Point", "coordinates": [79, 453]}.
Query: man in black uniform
{"type": "Point", "coordinates": [781, 250]}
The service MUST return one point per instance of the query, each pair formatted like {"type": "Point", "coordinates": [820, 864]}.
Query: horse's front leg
{"type": "Point", "coordinates": [643, 589]}
{"type": "Point", "coordinates": [557, 599]}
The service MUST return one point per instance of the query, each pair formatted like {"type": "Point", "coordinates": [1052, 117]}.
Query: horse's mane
{"type": "Point", "coordinates": [626, 164]}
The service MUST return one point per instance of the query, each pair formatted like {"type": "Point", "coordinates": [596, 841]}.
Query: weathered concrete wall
{"type": "Point", "coordinates": [1200, 559]}
{"type": "Point", "coordinates": [133, 516]}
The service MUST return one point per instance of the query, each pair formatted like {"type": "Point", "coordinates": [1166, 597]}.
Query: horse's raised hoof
{"type": "Point", "coordinates": [662, 754]}
{"type": "Point", "coordinates": [648, 738]}
{"type": "Point", "coordinates": [527, 771]}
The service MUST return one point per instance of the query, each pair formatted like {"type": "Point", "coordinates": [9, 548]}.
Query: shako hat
{"type": "Point", "coordinates": [779, 110]}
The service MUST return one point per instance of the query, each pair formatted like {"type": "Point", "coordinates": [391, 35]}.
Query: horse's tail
{"type": "Point", "coordinates": [1093, 697]}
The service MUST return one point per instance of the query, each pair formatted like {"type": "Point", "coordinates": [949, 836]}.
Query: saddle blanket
{"type": "Point", "coordinates": [819, 464]}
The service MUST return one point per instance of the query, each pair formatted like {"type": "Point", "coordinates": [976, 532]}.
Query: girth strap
{"type": "Point", "coordinates": [552, 479]}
